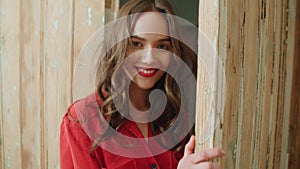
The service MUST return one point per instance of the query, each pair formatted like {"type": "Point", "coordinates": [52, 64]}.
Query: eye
{"type": "Point", "coordinates": [162, 46]}
{"type": "Point", "coordinates": [136, 44]}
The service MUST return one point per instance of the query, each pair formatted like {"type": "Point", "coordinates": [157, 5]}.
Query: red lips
{"type": "Point", "coordinates": [147, 72]}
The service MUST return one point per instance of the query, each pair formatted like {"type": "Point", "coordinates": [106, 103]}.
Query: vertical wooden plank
{"type": "Point", "coordinates": [249, 53]}
{"type": "Point", "coordinates": [263, 93]}
{"type": "Point", "coordinates": [231, 20]}
{"type": "Point", "coordinates": [257, 39]}
{"type": "Point", "coordinates": [290, 42]}
{"type": "Point", "coordinates": [58, 68]}
{"type": "Point", "coordinates": [204, 138]}
{"type": "Point", "coordinates": [266, 88]}
{"type": "Point", "coordinates": [111, 8]}
{"type": "Point", "coordinates": [273, 122]}
{"type": "Point", "coordinates": [208, 34]}
{"type": "Point", "coordinates": [89, 16]}
{"type": "Point", "coordinates": [30, 35]}
{"type": "Point", "coordinates": [43, 120]}
{"type": "Point", "coordinates": [282, 69]}
{"type": "Point", "coordinates": [292, 147]}
{"type": "Point", "coordinates": [11, 86]}
{"type": "Point", "coordinates": [1, 98]}
{"type": "Point", "coordinates": [224, 45]}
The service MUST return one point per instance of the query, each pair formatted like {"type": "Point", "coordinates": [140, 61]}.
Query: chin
{"type": "Point", "coordinates": [145, 87]}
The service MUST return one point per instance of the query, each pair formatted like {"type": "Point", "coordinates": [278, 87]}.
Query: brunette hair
{"type": "Point", "coordinates": [111, 82]}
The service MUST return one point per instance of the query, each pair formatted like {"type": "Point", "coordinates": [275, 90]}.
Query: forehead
{"type": "Point", "coordinates": [151, 22]}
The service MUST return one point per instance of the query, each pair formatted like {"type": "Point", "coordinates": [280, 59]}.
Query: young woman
{"type": "Point", "coordinates": [118, 127]}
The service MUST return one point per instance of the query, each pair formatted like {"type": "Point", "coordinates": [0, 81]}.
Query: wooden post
{"type": "Point", "coordinates": [208, 34]}
{"type": "Point", "coordinates": [257, 40]}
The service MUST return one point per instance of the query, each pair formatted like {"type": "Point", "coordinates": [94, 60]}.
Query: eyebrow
{"type": "Point", "coordinates": [142, 39]}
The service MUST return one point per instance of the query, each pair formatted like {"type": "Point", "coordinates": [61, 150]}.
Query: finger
{"type": "Point", "coordinates": [207, 154]}
{"type": "Point", "coordinates": [190, 146]}
{"type": "Point", "coordinates": [208, 165]}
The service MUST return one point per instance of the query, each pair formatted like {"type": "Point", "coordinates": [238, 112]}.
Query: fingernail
{"type": "Point", "coordinates": [223, 152]}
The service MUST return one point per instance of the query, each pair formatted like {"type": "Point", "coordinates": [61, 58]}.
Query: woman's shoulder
{"type": "Point", "coordinates": [85, 114]}
{"type": "Point", "coordinates": [79, 128]}
{"type": "Point", "coordinates": [85, 108]}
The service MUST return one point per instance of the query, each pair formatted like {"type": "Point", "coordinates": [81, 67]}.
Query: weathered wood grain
{"type": "Point", "coordinates": [30, 78]}
{"type": "Point", "coordinates": [111, 9]}
{"type": "Point", "coordinates": [234, 77]}
{"type": "Point", "coordinates": [40, 42]}
{"type": "Point", "coordinates": [207, 39]}
{"type": "Point", "coordinates": [258, 40]}
{"type": "Point", "coordinates": [292, 129]}
{"type": "Point", "coordinates": [11, 142]}
{"type": "Point", "coordinates": [58, 72]}
{"type": "Point", "coordinates": [1, 97]}
{"type": "Point", "coordinates": [265, 90]}
{"type": "Point", "coordinates": [89, 16]}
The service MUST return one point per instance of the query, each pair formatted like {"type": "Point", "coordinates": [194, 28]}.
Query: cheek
{"type": "Point", "coordinates": [128, 66]}
{"type": "Point", "coordinates": [132, 57]}
{"type": "Point", "coordinates": [129, 69]}
{"type": "Point", "coordinates": [164, 61]}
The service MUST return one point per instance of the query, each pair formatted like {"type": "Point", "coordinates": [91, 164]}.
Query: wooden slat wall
{"type": "Point", "coordinates": [39, 44]}
{"type": "Point", "coordinates": [259, 42]}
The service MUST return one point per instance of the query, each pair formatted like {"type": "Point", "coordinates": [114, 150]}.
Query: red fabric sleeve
{"type": "Point", "coordinates": [75, 147]}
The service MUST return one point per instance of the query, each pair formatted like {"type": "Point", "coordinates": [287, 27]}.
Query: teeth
{"type": "Point", "coordinates": [147, 71]}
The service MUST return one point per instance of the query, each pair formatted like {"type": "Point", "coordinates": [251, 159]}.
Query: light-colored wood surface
{"type": "Point", "coordinates": [39, 43]}
{"type": "Point", "coordinates": [207, 39]}
{"type": "Point", "coordinates": [11, 85]}
{"type": "Point", "coordinates": [57, 72]}
{"type": "Point", "coordinates": [30, 83]}
{"type": "Point", "coordinates": [258, 42]}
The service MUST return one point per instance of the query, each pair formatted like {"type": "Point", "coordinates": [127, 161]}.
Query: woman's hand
{"type": "Point", "coordinates": [199, 160]}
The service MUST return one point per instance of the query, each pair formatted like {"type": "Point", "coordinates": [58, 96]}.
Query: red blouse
{"type": "Point", "coordinates": [76, 141]}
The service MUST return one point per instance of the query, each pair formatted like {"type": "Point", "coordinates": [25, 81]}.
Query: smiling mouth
{"type": "Point", "coordinates": [147, 72]}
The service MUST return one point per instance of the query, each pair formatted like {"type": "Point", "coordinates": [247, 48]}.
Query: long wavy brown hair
{"type": "Point", "coordinates": [112, 81]}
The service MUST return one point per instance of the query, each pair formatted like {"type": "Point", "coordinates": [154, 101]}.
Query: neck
{"type": "Point", "coordinates": [139, 97]}
{"type": "Point", "coordinates": [139, 104]}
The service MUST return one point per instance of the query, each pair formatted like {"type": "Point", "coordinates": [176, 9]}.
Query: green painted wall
{"type": "Point", "coordinates": [187, 9]}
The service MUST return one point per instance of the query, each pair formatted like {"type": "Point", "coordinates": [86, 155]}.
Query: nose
{"type": "Point", "coordinates": [148, 56]}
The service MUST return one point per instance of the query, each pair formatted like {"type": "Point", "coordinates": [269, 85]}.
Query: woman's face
{"type": "Point", "coordinates": [149, 52]}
